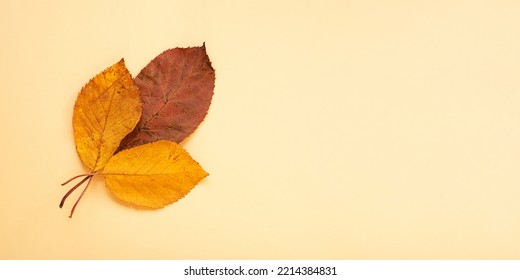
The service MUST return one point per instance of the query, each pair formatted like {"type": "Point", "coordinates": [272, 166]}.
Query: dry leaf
{"type": "Point", "coordinates": [152, 175]}
{"type": "Point", "coordinates": [107, 109]}
{"type": "Point", "coordinates": [176, 91]}
{"type": "Point", "coordinates": [178, 87]}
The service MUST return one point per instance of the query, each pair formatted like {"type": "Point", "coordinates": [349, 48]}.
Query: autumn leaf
{"type": "Point", "coordinates": [152, 175]}
{"type": "Point", "coordinates": [178, 87]}
{"type": "Point", "coordinates": [107, 108]}
{"type": "Point", "coordinates": [176, 92]}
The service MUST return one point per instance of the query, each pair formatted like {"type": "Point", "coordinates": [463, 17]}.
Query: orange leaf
{"type": "Point", "coordinates": [107, 109]}
{"type": "Point", "coordinates": [152, 175]}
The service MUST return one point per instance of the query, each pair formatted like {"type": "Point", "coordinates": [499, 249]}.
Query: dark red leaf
{"type": "Point", "coordinates": [176, 91]}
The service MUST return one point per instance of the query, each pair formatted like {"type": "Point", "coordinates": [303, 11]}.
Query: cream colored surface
{"type": "Point", "coordinates": [338, 130]}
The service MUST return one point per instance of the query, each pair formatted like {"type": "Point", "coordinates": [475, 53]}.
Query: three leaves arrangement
{"type": "Point", "coordinates": [128, 129]}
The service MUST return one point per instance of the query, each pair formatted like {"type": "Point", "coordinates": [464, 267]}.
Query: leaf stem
{"type": "Point", "coordinates": [81, 195]}
{"type": "Point", "coordinates": [75, 187]}
{"type": "Point", "coordinates": [75, 177]}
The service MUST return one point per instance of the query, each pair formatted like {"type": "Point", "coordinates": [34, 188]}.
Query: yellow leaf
{"type": "Point", "coordinates": [152, 175]}
{"type": "Point", "coordinates": [107, 109]}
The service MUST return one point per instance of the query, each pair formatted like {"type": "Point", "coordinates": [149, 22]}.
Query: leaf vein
{"type": "Point", "coordinates": [107, 116]}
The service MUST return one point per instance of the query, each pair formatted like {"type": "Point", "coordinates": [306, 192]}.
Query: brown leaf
{"type": "Point", "coordinates": [176, 90]}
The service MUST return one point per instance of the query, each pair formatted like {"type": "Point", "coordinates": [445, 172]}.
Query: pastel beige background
{"type": "Point", "coordinates": [338, 130]}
